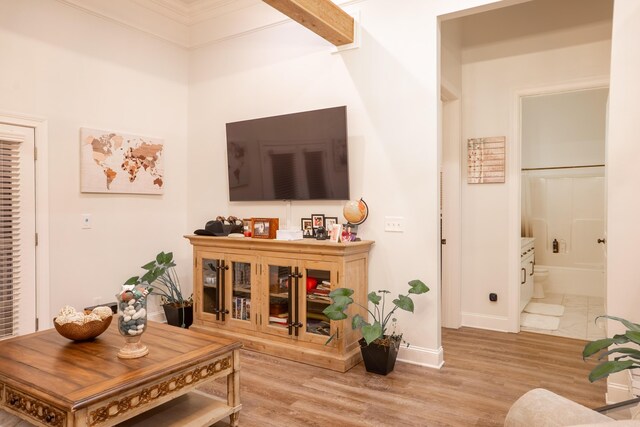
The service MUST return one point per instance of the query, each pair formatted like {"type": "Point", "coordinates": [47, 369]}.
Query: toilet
{"type": "Point", "coordinates": [540, 277]}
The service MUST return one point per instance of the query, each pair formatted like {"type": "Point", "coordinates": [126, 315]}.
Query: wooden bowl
{"type": "Point", "coordinates": [85, 332]}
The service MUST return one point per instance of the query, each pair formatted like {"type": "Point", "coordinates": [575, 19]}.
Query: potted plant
{"type": "Point", "coordinates": [161, 273]}
{"type": "Point", "coordinates": [379, 346]}
{"type": "Point", "coordinates": [626, 358]}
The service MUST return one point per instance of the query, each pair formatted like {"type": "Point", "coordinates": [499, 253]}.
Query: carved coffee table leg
{"type": "Point", "coordinates": [233, 388]}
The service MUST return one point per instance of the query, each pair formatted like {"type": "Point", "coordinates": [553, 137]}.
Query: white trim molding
{"type": "Point", "coordinates": [483, 321]}
{"type": "Point", "coordinates": [40, 126]}
{"type": "Point", "coordinates": [191, 24]}
{"type": "Point", "coordinates": [427, 357]}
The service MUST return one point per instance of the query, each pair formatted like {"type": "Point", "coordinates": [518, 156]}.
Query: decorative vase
{"type": "Point", "coordinates": [132, 322]}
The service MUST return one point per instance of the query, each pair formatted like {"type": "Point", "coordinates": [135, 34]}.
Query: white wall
{"type": "Point", "coordinates": [623, 209]}
{"type": "Point", "coordinates": [492, 76]}
{"type": "Point", "coordinates": [564, 129]}
{"type": "Point", "coordinates": [75, 70]}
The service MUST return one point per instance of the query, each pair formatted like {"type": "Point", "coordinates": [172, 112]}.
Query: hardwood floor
{"type": "Point", "coordinates": [484, 373]}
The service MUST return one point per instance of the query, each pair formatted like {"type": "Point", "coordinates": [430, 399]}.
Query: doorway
{"type": "Point", "coordinates": [491, 59]}
{"type": "Point", "coordinates": [563, 211]}
{"type": "Point", "coordinates": [30, 134]}
{"type": "Point", "coordinates": [17, 231]}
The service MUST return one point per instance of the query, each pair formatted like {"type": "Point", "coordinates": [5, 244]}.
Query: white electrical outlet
{"type": "Point", "coordinates": [85, 221]}
{"type": "Point", "coordinates": [394, 224]}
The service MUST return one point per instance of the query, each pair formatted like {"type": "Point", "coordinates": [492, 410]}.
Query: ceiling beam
{"type": "Point", "coordinates": [322, 17]}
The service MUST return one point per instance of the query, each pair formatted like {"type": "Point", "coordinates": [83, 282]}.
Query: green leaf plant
{"type": "Point", "coordinates": [626, 358]}
{"type": "Point", "coordinates": [161, 273]}
{"type": "Point", "coordinates": [341, 300]}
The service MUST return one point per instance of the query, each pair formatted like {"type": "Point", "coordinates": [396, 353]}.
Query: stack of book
{"type": "Point", "coordinates": [279, 319]}
{"type": "Point", "coordinates": [241, 308]}
{"type": "Point", "coordinates": [320, 292]}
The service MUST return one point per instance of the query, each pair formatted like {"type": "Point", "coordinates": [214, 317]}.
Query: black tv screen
{"type": "Point", "coordinates": [300, 156]}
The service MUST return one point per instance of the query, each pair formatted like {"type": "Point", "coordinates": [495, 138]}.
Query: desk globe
{"type": "Point", "coordinates": [355, 211]}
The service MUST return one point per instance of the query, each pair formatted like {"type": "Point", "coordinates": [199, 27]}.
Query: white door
{"type": "Point", "coordinates": [17, 231]}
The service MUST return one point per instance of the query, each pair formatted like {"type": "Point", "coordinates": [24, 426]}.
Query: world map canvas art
{"type": "Point", "coordinates": [113, 162]}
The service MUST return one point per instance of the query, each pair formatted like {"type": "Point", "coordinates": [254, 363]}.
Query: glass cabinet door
{"type": "Point", "coordinates": [242, 313]}
{"type": "Point", "coordinates": [211, 279]}
{"type": "Point", "coordinates": [278, 305]}
{"type": "Point", "coordinates": [315, 287]}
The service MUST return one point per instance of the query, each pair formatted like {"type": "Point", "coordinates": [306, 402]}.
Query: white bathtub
{"type": "Point", "coordinates": [575, 281]}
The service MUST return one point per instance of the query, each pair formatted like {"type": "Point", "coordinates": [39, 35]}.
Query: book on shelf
{"type": "Point", "coordinates": [279, 320]}
{"type": "Point", "coordinates": [241, 308]}
{"type": "Point", "coordinates": [319, 298]}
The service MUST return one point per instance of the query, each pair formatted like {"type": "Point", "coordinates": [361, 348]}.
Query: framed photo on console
{"type": "Point", "coordinates": [307, 227]}
{"type": "Point", "coordinates": [264, 228]}
{"type": "Point", "coordinates": [317, 220]}
{"type": "Point", "coordinates": [330, 221]}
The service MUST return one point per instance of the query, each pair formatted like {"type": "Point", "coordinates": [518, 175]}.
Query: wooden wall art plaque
{"type": "Point", "coordinates": [486, 160]}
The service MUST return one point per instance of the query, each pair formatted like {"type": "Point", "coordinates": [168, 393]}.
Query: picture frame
{"type": "Point", "coordinates": [330, 221]}
{"type": "Point", "coordinates": [349, 232]}
{"type": "Point", "coordinates": [317, 220]}
{"type": "Point", "coordinates": [336, 233]}
{"type": "Point", "coordinates": [306, 224]}
{"type": "Point", "coordinates": [264, 228]}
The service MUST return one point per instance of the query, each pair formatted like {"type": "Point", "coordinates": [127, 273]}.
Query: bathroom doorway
{"type": "Point", "coordinates": [563, 218]}
{"type": "Point", "coordinates": [491, 59]}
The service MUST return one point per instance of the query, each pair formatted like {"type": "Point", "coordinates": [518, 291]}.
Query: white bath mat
{"type": "Point", "coordinates": [546, 309]}
{"type": "Point", "coordinates": [539, 321]}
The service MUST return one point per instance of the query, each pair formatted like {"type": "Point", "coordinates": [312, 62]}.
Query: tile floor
{"type": "Point", "coordinates": [579, 316]}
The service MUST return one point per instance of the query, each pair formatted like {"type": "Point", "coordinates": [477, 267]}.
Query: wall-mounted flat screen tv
{"type": "Point", "coordinates": [300, 156]}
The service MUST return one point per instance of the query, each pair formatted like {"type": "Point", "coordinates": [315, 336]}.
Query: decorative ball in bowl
{"type": "Point", "coordinates": [78, 326]}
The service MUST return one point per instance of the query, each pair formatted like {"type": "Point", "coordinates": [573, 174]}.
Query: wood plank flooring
{"type": "Point", "coordinates": [484, 373]}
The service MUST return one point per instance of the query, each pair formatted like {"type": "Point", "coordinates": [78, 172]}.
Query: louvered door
{"type": "Point", "coordinates": [17, 231]}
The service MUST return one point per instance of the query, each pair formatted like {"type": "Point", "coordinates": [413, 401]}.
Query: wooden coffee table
{"type": "Point", "coordinates": [51, 381]}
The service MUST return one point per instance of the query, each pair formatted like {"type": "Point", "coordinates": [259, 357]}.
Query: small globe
{"type": "Point", "coordinates": [356, 211]}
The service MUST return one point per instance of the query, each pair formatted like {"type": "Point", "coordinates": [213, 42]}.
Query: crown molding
{"type": "Point", "coordinates": [189, 23]}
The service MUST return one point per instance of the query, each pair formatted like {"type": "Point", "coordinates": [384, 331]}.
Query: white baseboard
{"type": "Point", "coordinates": [617, 393]}
{"type": "Point", "coordinates": [427, 357]}
{"type": "Point", "coordinates": [483, 321]}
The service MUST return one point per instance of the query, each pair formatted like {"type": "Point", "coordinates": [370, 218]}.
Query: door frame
{"type": "Point", "coordinates": [40, 127]}
{"type": "Point", "coordinates": [515, 190]}
{"type": "Point", "coordinates": [451, 209]}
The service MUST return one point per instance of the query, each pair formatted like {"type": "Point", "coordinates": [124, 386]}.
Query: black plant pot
{"type": "Point", "coordinates": [176, 314]}
{"type": "Point", "coordinates": [380, 356]}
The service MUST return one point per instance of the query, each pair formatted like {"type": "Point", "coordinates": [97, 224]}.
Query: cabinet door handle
{"type": "Point", "coordinates": [532, 265]}
{"type": "Point", "coordinates": [524, 275]}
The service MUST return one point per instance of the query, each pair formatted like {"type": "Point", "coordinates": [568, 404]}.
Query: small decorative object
{"type": "Point", "coordinates": [78, 326]}
{"type": "Point", "coordinates": [307, 227]}
{"type": "Point", "coordinates": [356, 211]}
{"type": "Point", "coordinates": [264, 228]}
{"type": "Point", "coordinates": [378, 346]}
{"type": "Point", "coordinates": [321, 233]}
{"type": "Point", "coordinates": [113, 162]}
{"type": "Point", "coordinates": [485, 160]}
{"type": "Point", "coordinates": [132, 322]}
